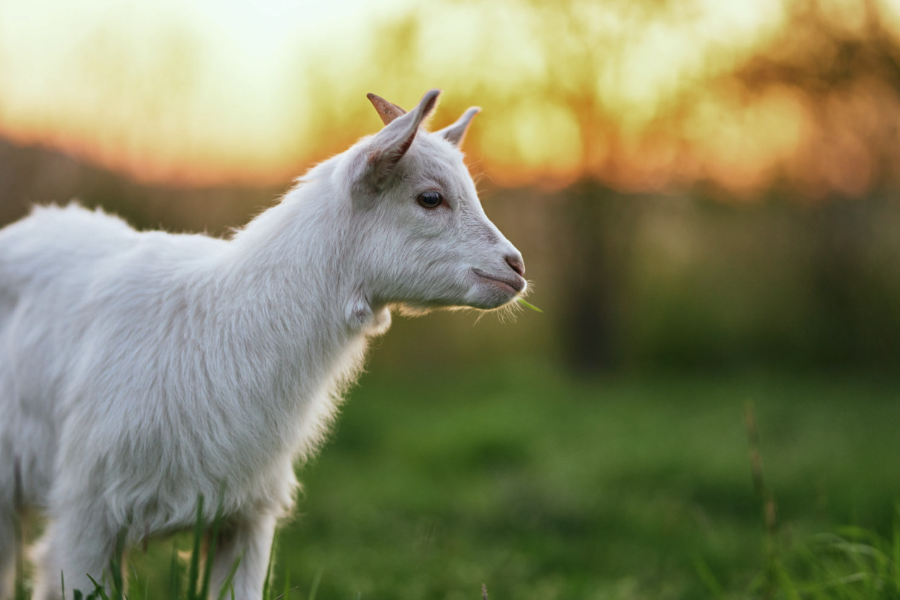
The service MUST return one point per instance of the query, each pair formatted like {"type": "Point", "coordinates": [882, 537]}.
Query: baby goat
{"type": "Point", "coordinates": [139, 370]}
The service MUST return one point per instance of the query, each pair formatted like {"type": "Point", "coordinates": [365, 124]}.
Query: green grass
{"type": "Point", "coordinates": [633, 487]}
{"type": "Point", "coordinates": [543, 487]}
{"type": "Point", "coordinates": [527, 305]}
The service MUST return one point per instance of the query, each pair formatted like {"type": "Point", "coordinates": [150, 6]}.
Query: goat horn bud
{"type": "Point", "coordinates": [388, 111]}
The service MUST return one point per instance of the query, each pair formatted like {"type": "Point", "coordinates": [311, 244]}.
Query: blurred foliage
{"type": "Point", "coordinates": [817, 105]}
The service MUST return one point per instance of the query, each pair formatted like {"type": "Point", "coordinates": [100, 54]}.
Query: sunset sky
{"type": "Point", "coordinates": [216, 91]}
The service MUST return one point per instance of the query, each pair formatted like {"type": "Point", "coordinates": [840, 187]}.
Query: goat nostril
{"type": "Point", "coordinates": [516, 263]}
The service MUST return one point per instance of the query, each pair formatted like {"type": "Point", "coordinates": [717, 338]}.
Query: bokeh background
{"type": "Point", "coordinates": [705, 194]}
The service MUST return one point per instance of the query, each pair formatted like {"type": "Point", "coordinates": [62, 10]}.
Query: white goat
{"type": "Point", "coordinates": [141, 369]}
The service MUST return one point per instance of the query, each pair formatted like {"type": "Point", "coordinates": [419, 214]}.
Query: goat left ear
{"type": "Point", "coordinates": [456, 133]}
{"type": "Point", "coordinates": [391, 143]}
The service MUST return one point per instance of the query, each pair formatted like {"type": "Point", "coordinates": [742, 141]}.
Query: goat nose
{"type": "Point", "coordinates": [518, 265]}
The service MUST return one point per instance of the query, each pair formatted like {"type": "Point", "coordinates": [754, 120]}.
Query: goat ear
{"type": "Point", "coordinates": [388, 111]}
{"type": "Point", "coordinates": [457, 132]}
{"type": "Point", "coordinates": [391, 143]}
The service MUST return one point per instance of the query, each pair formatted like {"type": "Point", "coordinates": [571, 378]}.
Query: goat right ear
{"type": "Point", "coordinates": [390, 144]}
{"type": "Point", "coordinates": [457, 132]}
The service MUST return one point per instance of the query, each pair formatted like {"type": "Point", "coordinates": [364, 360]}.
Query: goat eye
{"type": "Point", "coordinates": [430, 200]}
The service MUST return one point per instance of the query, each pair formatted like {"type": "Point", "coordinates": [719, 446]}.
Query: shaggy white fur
{"type": "Point", "coordinates": [141, 369]}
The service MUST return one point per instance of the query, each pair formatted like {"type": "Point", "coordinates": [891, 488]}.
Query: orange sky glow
{"type": "Point", "coordinates": [234, 91]}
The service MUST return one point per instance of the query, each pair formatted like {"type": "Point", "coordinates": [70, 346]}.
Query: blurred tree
{"type": "Point", "coordinates": [835, 65]}
{"type": "Point", "coordinates": [841, 63]}
{"type": "Point", "coordinates": [582, 44]}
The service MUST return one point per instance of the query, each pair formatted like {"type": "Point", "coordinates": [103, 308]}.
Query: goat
{"type": "Point", "coordinates": [139, 370]}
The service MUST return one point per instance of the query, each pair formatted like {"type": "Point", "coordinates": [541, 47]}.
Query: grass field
{"type": "Point", "coordinates": [546, 487]}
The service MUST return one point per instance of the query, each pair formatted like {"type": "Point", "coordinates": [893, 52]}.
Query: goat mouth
{"type": "Point", "coordinates": [513, 285]}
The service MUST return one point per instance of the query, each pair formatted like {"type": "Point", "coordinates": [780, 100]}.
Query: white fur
{"type": "Point", "coordinates": [141, 369]}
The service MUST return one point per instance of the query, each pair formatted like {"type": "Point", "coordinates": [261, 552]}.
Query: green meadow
{"type": "Point", "coordinates": [543, 486]}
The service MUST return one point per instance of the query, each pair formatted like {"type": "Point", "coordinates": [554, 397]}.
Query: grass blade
{"type": "Point", "coordinates": [527, 305]}
{"type": "Point", "coordinates": [267, 585]}
{"type": "Point", "coordinates": [175, 574]}
{"type": "Point", "coordinates": [194, 570]}
{"type": "Point", "coordinates": [115, 567]}
{"type": "Point", "coordinates": [211, 550]}
{"type": "Point", "coordinates": [98, 592]}
{"type": "Point", "coordinates": [226, 585]}
{"type": "Point", "coordinates": [287, 583]}
{"type": "Point", "coordinates": [708, 578]}
{"type": "Point", "coordinates": [315, 585]}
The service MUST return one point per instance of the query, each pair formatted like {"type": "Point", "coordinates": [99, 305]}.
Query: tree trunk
{"type": "Point", "coordinates": [594, 236]}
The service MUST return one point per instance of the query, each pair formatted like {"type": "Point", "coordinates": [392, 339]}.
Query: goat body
{"type": "Point", "coordinates": [139, 370]}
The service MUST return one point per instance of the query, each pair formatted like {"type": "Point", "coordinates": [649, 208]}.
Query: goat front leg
{"type": "Point", "coordinates": [77, 544]}
{"type": "Point", "coordinates": [250, 540]}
